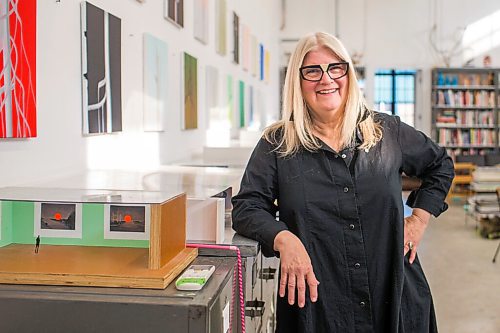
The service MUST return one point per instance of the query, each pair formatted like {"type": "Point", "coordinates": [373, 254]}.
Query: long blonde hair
{"type": "Point", "coordinates": [295, 129]}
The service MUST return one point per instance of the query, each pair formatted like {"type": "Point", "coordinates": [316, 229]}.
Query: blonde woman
{"type": "Point", "coordinates": [332, 168]}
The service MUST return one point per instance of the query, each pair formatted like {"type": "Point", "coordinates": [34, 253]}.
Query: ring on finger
{"type": "Point", "coordinates": [410, 245]}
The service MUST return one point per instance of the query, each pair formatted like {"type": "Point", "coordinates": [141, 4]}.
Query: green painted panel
{"type": "Point", "coordinates": [242, 104]}
{"type": "Point", "coordinates": [6, 223]}
{"type": "Point", "coordinates": [92, 228]}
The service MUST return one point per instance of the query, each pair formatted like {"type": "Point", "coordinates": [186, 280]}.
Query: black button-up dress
{"type": "Point", "coordinates": [346, 208]}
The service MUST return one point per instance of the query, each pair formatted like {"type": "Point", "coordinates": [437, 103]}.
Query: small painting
{"type": "Point", "coordinates": [201, 20]}
{"type": "Point", "coordinates": [220, 27]}
{"type": "Point", "coordinates": [236, 38]}
{"type": "Point", "coordinates": [127, 222]}
{"type": "Point", "coordinates": [190, 92]}
{"type": "Point", "coordinates": [174, 12]}
{"type": "Point", "coordinates": [56, 219]}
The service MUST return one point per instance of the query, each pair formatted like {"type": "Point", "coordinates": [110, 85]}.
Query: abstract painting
{"type": "Point", "coordinates": [251, 120]}
{"type": "Point", "coordinates": [212, 96]}
{"type": "Point", "coordinates": [155, 83]}
{"type": "Point", "coordinates": [242, 103]}
{"type": "Point", "coordinates": [220, 27]}
{"type": "Point", "coordinates": [246, 47]}
{"type": "Point", "coordinates": [201, 20]}
{"type": "Point", "coordinates": [56, 219]}
{"type": "Point", "coordinates": [230, 100]}
{"type": "Point", "coordinates": [127, 222]}
{"type": "Point", "coordinates": [174, 12]}
{"type": "Point", "coordinates": [101, 68]}
{"type": "Point", "coordinates": [267, 65]}
{"type": "Point", "coordinates": [261, 61]}
{"type": "Point", "coordinates": [18, 73]}
{"type": "Point", "coordinates": [190, 92]}
{"type": "Point", "coordinates": [255, 56]}
{"type": "Point", "coordinates": [236, 38]}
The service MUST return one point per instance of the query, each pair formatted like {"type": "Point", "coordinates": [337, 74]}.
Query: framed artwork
{"type": "Point", "coordinates": [212, 96]}
{"type": "Point", "coordinates": [190, 92]}
{"type": "Point", "coordinates": [174, 12]}
{"type": "Point", "coordinates": [230, 100]}
{"type": "Point", "coordinates": [201, 20]}
{"type": "Point", "coordinates": [58, 219]}
{"type": "Point", "coordinates": [0, 220]}
{"type": "Point", "coordinates": [220, 26]}
{"type": "Point", "coordinates": [101, 71]}
{"type": "Point", "coordinates": [127, 221]}
{"type": "Point", "coordinates": [251, 120]}
{"type": "Point", "coordinates": [155, 96]}
{"type": "Point", "coordinates": [267, 64]}
{"type": "Point", "coordinates": [255, 56]}
{"type": "Point", "coordinates": [261, 61]}
{"type": "Point", "coordinates": [242, 103]}
{"type": "Point", "coordinates": [246, 47]}
{"type": "Point", "coordinates": [236, 38]}
{"type": "Point", "coordinates": [18, 72]}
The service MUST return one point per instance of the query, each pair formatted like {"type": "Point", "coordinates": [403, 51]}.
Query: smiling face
{"type": "Point", "coordinates": [326, 97]}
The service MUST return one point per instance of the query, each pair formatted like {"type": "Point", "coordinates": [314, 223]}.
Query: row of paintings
{"type": "Point", "coordinates": [64, 220]}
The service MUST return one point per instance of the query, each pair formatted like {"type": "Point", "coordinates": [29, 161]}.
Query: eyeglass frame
{"type": "Point", "coordinates": [323, 71]}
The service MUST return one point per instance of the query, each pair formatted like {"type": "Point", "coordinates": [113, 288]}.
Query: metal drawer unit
{"type": "Point", "coordinates": [25, 308]}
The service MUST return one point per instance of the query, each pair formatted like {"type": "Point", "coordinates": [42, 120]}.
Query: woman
{"type": "Point", "coordinates": [332, 168]}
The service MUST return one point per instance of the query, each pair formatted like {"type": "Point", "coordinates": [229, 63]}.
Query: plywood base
{"type": "Point", "coordinates": [88, 266]}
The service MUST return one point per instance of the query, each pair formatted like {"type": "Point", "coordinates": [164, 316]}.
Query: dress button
{"type": "Point", "coordinates": [362, 304]}
{"type": "Point", "coordinates": [351, 226]}
{"type": "Point", "coordinates": [357, 265]}
{"type": "Point", "coordinates": [346, 189]}
{"type": "Point", "coordinates": [344, 155]}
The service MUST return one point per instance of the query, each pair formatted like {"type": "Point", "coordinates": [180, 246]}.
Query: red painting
{"type": "Point", "coordinates": [18, 63]}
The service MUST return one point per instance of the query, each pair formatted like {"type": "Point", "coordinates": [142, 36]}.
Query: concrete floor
{"type": "Point", "coordinates": [465, 284]}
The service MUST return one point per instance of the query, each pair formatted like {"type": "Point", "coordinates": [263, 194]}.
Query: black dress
{"type": "Point", "coordinates": [349, 217]}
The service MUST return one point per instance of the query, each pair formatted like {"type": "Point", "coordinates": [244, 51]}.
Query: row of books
{"type": "Point", "coordinates": [485, 181]}
{"type": "Point", "coordinates": [454, 152]}
{"type": "Point", "coordinates": [464, 137]}
{"type": "Point", "coordinates": [465, 117]}
{"type": "Point", "coordinates": [478, 98]}
{"type": "Point", "coordinates": [466, 79]}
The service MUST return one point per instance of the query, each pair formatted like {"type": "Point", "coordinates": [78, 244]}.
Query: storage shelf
{"type": "Point", "coordinates": [461, 87]}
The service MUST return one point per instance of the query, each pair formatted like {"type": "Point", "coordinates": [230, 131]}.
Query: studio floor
{"type": "Point", "coordinates": [464, 282]}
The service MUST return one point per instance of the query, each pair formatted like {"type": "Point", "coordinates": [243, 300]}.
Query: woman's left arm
{"type": "Point", "coordinates": [423, 158]}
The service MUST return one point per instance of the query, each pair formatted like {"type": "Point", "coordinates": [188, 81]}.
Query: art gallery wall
{"type": "Point", "coordinates": [60, 149]}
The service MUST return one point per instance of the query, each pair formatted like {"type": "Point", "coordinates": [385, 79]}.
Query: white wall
{"type": "Point", "coordinates": [393, 34]}
{"type": "Point", "coordinates": [61, 149]}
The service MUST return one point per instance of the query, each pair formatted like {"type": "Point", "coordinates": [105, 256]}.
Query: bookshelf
{"type": "Point", "coordinates": [465, 110]}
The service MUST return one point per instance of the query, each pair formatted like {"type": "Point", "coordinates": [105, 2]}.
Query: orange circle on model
{"type": "Point", "coordinates": [127, 218]}
{"type": "Point", "coordinates": [58, 216]}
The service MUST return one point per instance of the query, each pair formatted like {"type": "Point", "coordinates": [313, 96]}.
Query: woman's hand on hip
{"type": "Point", "coordinates": [296, 269]}
{"type": "Point", "coordinates": [414, 229]}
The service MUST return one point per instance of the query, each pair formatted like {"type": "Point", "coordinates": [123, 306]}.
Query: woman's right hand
{"type": "Point", "coordinates": [296, 268]}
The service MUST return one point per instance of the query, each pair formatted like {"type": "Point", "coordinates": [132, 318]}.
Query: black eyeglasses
{"type": "Point", "coordinates": [314, 73]}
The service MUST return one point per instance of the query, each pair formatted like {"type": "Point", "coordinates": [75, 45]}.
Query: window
{"type": "Point", "coordinates": [395, 93]}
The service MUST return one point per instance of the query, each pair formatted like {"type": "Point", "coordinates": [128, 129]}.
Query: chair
{"type": "Point", "coordinates": [498, 247]}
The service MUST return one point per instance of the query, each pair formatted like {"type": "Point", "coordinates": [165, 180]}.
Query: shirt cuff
{"type": "Point", "coordinates": [267, 238]}
{"type": "Point", "coordinates": [426, 201]}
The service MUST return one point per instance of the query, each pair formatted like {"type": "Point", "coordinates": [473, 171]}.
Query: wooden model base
{"type": "Point", "coordinates": [88, 266]}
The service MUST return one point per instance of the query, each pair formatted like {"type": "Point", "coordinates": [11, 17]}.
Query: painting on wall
{"type": "Point", "coordinates": [127, 222]}
{"type": "Point", "coordinates": [230, 100]}
{"type": "Point", "coordinates": [246, 47]}
{"type": "Point", "coordinates": [236, 38]}
{"type": "Point", "coordinates": [201, 20]}
{"type": "Point", "coordinates": [261, 61]}
{"type": "Point", "coordinates": [57, 219]}
{"type": "Point", "coordinates": [251, 120]}
{"type": "Point", "coordinates": [255, 56]}
{"type": "Point", "coordinates": [267, 65]}
{"type": "Point", "coordinates": [18, 73]}
{"type": "Point", "coordinates": [174, 12]}
{"type": "Point", "coordinates": [220, 27]}
{"type": "Point", "coordinates": [242, 103]}
{"type": "Point", "coordinates": [101, 71]}
{"type": "Point", "coordinates": [212, 96]}
{"type": "Point", "coordinates": [190, 92]}
{"type": "Point", "coordinates": [155, 83]}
